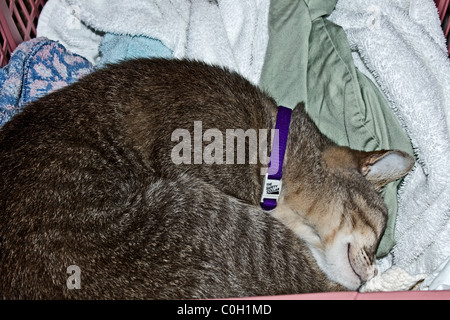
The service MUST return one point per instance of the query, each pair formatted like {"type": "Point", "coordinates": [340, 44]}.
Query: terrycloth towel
{"type": "Point", "coordinates": [227, 32]}
{"type": "Point", "coordinates": [232, 34]}
{"type": "Point", "coordinates": [37, 67]}
{"type": "Point", "coordinates": [400, 45]}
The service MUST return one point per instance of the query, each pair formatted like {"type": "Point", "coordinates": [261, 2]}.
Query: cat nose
{"type": "Point", "coordinates": [370, 277]}
{"type": "Point", "coordinates": [371, 272]}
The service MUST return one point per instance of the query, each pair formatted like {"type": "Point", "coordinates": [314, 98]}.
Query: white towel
{"type": "Point", "coordinates": [400, 45]}
{"type": "Point", "coordinates": [229, 33]}
{"type": "Point", "coordinates": [61, 22]}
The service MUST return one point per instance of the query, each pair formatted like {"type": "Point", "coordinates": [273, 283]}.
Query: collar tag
{"type": "Point", "coordinates": [271, 188]}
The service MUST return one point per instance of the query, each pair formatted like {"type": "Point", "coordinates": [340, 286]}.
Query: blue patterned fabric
{"type": "Point", "coordinates": [37, 67]}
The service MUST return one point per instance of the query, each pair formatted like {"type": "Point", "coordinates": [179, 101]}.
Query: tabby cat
{"type": "Point", "coordinates": [94, 207]}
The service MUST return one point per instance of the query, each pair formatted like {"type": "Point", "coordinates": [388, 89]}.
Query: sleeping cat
{"type": "Point", "coordinates": [93, 206]}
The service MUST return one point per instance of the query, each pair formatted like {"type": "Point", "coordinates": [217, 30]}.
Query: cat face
{"type": "Point", "coordinates": [343, 217]}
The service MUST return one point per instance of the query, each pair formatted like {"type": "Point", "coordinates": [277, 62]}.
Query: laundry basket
{"type": "Point", "coordinates": [18, 21]}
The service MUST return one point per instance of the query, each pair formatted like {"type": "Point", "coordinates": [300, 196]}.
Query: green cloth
{"type": "Point", "coordinates": [308, 59]}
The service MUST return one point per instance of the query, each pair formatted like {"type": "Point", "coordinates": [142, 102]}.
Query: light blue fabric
{"type": "Point", "coordinates": [116, 47]}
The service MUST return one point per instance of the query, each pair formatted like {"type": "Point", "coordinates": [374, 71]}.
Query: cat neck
{"type": "Point", "coordinates": [303, 164]}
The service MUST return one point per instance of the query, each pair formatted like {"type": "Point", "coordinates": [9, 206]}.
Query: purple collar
{"type": "Point", "coordinates": [272, 180]}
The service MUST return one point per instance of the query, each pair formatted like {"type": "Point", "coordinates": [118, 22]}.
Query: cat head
{"type": "Point", "coordinates": [339, 211]}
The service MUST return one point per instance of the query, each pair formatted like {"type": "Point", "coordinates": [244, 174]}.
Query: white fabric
{"type": "Point", "coordinates": [399, 44]}
{"type": "Point", "coordinates": [60, 21]}
{"type": "Point", "coordinates": [228, 33]}
{"type": "Point", "coordinates": [393, 279]}
{"type": "Point", "coordinates": [439, 279]}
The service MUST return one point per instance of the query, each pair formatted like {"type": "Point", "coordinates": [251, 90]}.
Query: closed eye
{"type": "Point", "coordinates": [350, 262]}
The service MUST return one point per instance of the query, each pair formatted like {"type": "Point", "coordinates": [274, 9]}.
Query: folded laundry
{"type": "Point", "coordinates": [225, 32]}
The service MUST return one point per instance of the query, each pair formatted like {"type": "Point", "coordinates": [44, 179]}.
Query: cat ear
{"type": "Point", "coordinates": [382, 167]}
